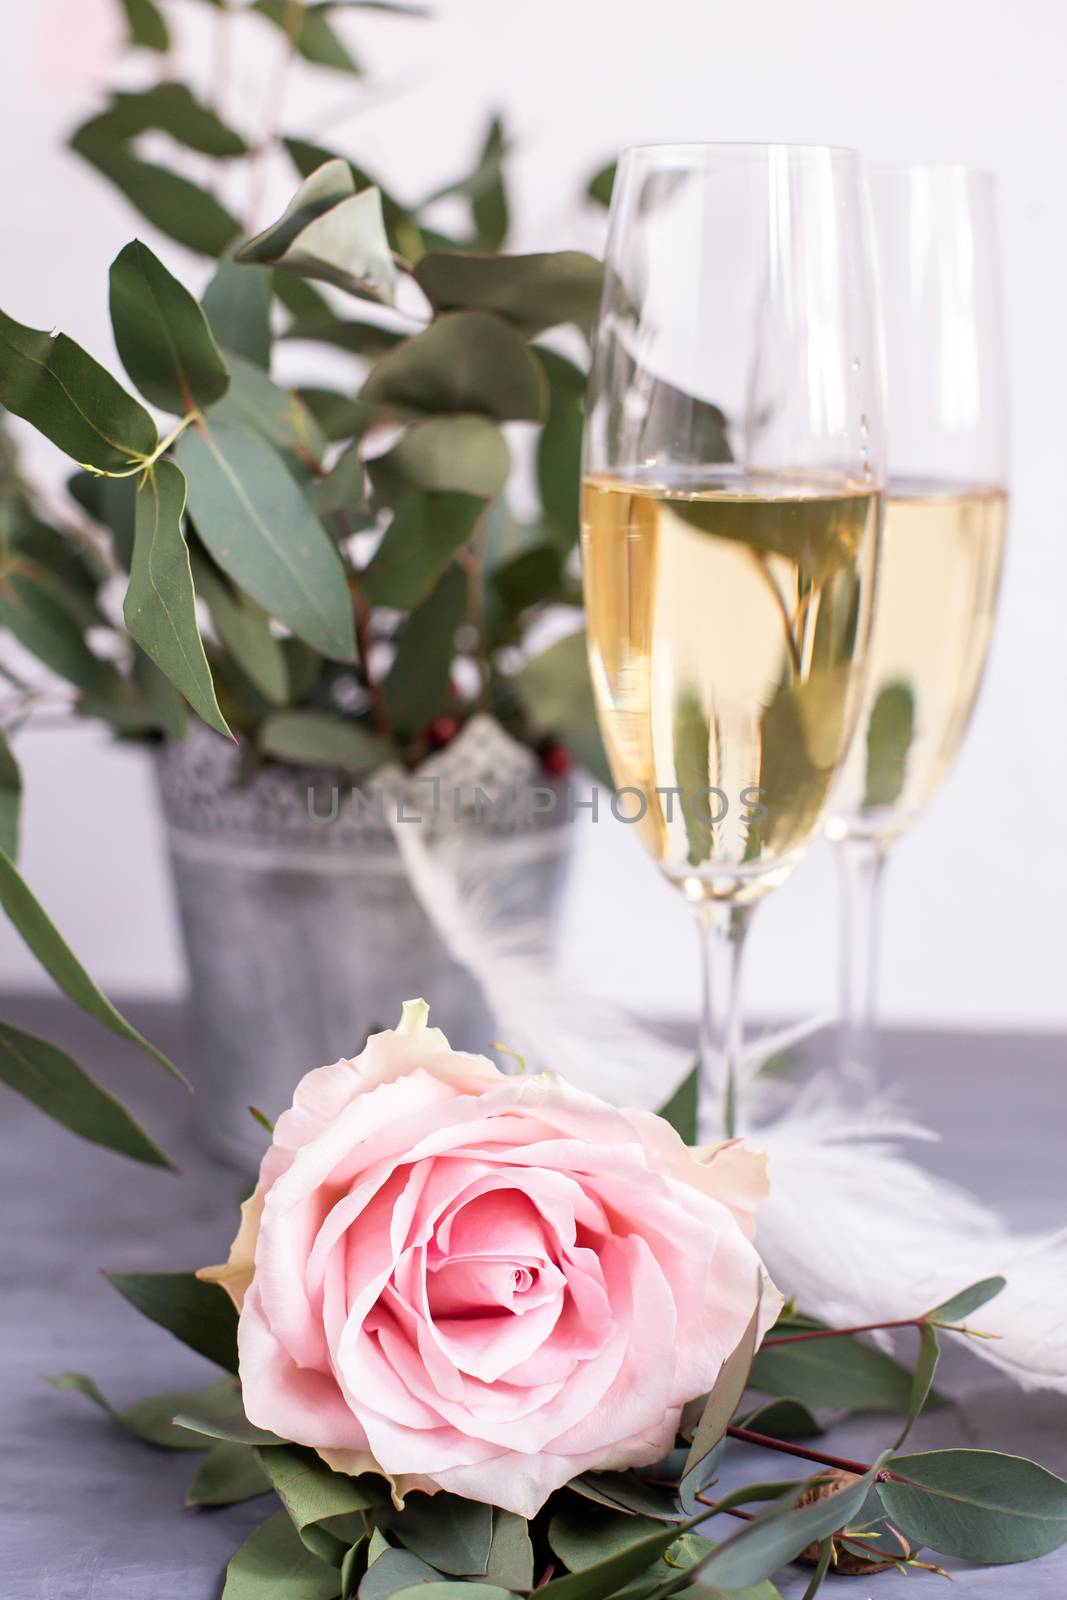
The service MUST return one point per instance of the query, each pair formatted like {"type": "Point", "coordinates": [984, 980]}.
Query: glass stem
{"type": "Point", "coordinates": [861, 862]}
{"type": "Point", "coordinates": [722, 944]}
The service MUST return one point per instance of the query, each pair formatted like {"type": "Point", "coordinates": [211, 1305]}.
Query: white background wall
{"type": "Point", "coordinates": [975, 909]}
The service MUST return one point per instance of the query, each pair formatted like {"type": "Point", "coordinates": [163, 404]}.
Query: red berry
{"type": "Point", "coordinates": [557, 760]}
{"type": "Point", "coordinates": [442, 731]}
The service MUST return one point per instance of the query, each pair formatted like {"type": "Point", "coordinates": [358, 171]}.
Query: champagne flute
{"type": "Point", "coordinates": [732, 476]}
{"type": "Point", "coordinates": [942, 542]}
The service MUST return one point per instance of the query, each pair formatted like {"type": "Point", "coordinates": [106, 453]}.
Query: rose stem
{"type": "Point", "coordinates": [840, 1333]}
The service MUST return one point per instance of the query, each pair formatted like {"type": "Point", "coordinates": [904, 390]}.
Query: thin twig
{"type": "Point", "coordinates": [841, 1463]}
{"type": "Point", "coordinates": [841, 1333]}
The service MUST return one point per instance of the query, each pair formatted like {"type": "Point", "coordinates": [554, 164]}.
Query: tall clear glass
{"type": "Point", "coordinates": [942, 541]}
{"type": "Point", "coordinates": [730, 509]}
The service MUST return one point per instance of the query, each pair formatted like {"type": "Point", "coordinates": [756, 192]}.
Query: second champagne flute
{"type": "Point", "coordinates": [730, 511]}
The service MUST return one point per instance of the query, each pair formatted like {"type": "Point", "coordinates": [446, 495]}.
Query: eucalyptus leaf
{"type": "Point", "coordinates": [531, 292]}
{"type": "Point", "coordinates": [461, 455]}
{"type": "Point", "coordinates": [559, 447]}
{"type": "Point", "coordinates": [601, 184]}
{"type": "Point", "coordinates": [722, 1402]}
{"type": "Point", "coordinates": [839, 1372]}
{"type": "Point", "coordinates": [890, 731]}
{"type": "Point", "coordinates": [64, 1091]}
{"type": "Point", "coordinates": [959, 1306]}
{"type": "Point", "coordinates": [244, 630]}
{"type": "Point", "coordinates": [511, 1554]}
{"type": "Point", "coordinates": [237, 305]}
{"type": "Point", "coordinates": [977, 1504]}
{"type": "Point", "coordinates": [331, 235]}
{"type": "Point", "coordinates": [692, 742]}
{"type": "Point", "coordinates": [395, 1572]}
{"type": "Point", "coordinates": [57, 387]}
{"type": "Point", "coordinates": [681, 1109]}
{"type": "Point", "coordinates": [168, 107]}
{"type": "Point", "coordinates": [275, 413]}
{"type": "Point", "coordinates": [532, 578]}
{"type": "Point", "coordinates": [10, 799]}
{"type": "Point", "coordinates": [177, 207]}
{"type": "Point", "coordinates": [620, 1563]}
{"type": "Point", "coordinates": [783, 1419]}
{"type": "Point", "coordinates": [160, 605]}
{"type": "Point", "coordinates": [44, 626]}
{"type": "Point", "coordinates": [582, 1537]}
{"type": "Point", "coordinates": [319, 739]}
{"type": "Point", "coordinates": [153, 1420]}
{"type": "Point", "coordinates": [306, 157]}
{"type": "Point", "coordinates": [260, 529]}
{"type": "Point", "coordinates": [274, 1564]}
{"type": "Point", "coordinates": [353, 1567]}
{"type": "Point", "coordinates": [314, 1497]}
{"type": "Point", "coordinates": [146, 25]}
{"type": "Point", "coordinates": [452, 1534]}
{"type": "Point", "coordinates": [338, 416]}
{"type": "Point", "coordinates": [425, 531]}
{"type": "Point", "coordinates": [44, 941]}
{"type": "Point", "coordinates": [557, 694]}
{"type": "Point", "coordinates": [228, 1475]}
{"type": "Point", "coordinates": [201, 1315]}
{"type": "Point", "coordinates": [466, 361]}
{"type": "Point", "coordinates": [484, 189]}
{"type": "Point", "coordinates": [922, 1378]}
{"type": "Point", "coordinates": [416, 688]}
{"type": "Point", "coordinates": [778, 1534]}
{"type": "Point", "coordinates": [312, 37]}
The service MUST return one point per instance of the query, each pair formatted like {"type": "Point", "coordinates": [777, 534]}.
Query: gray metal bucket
{"type": "Point", "coordinates": [302, 931]}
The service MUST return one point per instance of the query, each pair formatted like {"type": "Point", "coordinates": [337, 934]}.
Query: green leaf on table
{"type": "Point", "coordinates": [532, 292]}
{"type": "Point", "coordinates": [977, 1504]}
{"type": "Point", "coordinates": [153, 1420]}
{"type": "Point", "coordinates": [417, 686]}
{"type": "Point", "coordinates": [583, 1536]}
{"type": "Point", "coordinates": [722, 1402]}
{"type": "Point", "coordinates": [331, 233]}
{"type": "Point", "coordinates": [600, 185]}
{"type": "Point", "coordinates": [465, 361]}
{"type": "Point", "coordinates": [171, 203]}
{"type": "Point", "coordinates": [307, 28]}
{"type": "Point", "coordinates": [160, 605]}
{"type": "Point", "coordinates": [890, 731]}
{"type": "Point", "coordinates": [557, 694]}
{"type": "Point", "coordinates": [261, 530]}
{"type": "Point", "coordinates": [841, 1372]}
{"type": "Point", "coordinates": [425, 531]}
{"type": "Point", "coordinates": [43, 625]}
{"type": "Point", "coordinates": [354, 1567]}
{"type": "Point", "coordinates": [167, 107]}
{"type": "Point", "coordinates": [44, 941]}
{"type": "Point", "coordinates": [244, 630]}
{"type": "Point", "coordinates": [55, 1083]}
{"type": "Point", "coordinates": [275, 413]}
{"type": "Point", "coordinates": [275, 1564]}
{"type": "Point", "coordinates": [922, 1378]}
{"type": "Point", "coordinates": [462, 455]}
{"type": "Point", "coordinates": [201, 1315]}
{"type": "Point", "coordinates": [681, 1109]}
{"type": "Point", "coordinates": [57, 387]}
{"type": "Point", "coordinates": [320, 739]}
{"type": "Point", "coordinates": [10, 799]}
{"type": "Point", "coordinates": [452, 1534]}
{"type": "Point", "coordinates": [511, 1554]}
{"type": "Point", "coordinates": [162, 335]}
{"type": "Point", "coordinates": [622, 1558]}
{"type": "Point", "coordinates": [559, 446]}
{"type": "Point", "coordinates": [959, 1306]}
{"type": "Point", "coordinates": [315, 1497]}
{"type": "Point", "coordinates": [145, 25]}
{"type": "Point", "coordinates": [783, 1419]}
{"type": "Point", "coordinates": [237, 305]}
{"type": "Point", "coordinates": [395, 1572]}
{"type": "Point", "coordinates": [631, 1492]}
{"type": "Point", "coordinates": [776, 1536]}
{"type": "Point", "coordinates": [228, 1475]}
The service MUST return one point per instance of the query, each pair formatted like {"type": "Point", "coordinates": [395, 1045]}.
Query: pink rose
{"type": "Point", "coordinates": [470, 1281]}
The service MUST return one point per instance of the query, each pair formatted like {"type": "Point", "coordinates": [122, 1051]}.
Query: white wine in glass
{"type": "Point", "coordinates": [730, 514]}
{"type": "Point", "coordinates": [942, 543]}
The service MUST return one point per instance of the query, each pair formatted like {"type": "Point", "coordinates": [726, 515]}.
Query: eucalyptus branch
{"type": "Point", "coordinates": [840, 1463]}
{"type": "Point", "coordinates": [146, 463]}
